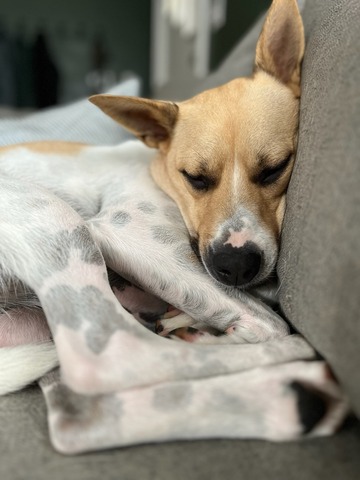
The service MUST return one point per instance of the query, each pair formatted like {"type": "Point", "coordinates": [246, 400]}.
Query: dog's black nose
{"type": "Point", "coordinates": [236, 266]}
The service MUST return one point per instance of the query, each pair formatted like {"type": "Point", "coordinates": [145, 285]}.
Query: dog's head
{"type": "Point", "coordinates": [226, 155]}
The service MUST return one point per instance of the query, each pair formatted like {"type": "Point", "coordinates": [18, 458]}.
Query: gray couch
{"type": "Point", "coordinates": [319, 269]}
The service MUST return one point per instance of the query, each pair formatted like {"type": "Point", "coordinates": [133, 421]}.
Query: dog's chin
{"type": "Point", "coordinates": [261, 278]}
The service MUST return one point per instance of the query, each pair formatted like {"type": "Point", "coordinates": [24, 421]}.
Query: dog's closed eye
{"type": "Point", "coordinates": [269, 175]}
{"type": "Point", "coordinates": [198, 182]}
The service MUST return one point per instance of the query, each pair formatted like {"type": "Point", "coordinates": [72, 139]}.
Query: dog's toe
{"type": "Point", "coordinates": [312, 406]}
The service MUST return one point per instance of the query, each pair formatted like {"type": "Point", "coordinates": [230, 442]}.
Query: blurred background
{"type": "Point", "coordinates": [54, 52]}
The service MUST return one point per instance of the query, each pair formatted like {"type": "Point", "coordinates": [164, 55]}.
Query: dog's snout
{"type": "Point", "coordinates": [236, 266]}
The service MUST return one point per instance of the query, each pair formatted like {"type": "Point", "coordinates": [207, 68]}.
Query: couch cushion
{"type": "Point", "coordinates": [80, 122]}
{"type": "Point", "coordinates": [319, 266]}
{"type": "Point", "coordinates": [26, 453]}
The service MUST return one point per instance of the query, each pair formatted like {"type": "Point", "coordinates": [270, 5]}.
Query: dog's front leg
{"type": "Point", "coordinates": [146, 241]}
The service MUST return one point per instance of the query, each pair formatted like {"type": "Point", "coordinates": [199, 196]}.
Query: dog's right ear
{"type": "Point", "coordinates": [280, 48]}
{"type": "Point", "coordinates": [152, 121]}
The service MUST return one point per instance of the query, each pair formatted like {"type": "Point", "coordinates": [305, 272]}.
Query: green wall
{"type": "Point", "coordinates": [240, 15]}
{"type": "Point", "coordinates": [124, 26]}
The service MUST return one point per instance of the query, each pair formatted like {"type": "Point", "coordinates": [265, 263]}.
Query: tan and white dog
{"type": "Point", "coordinates": [224, 157]}
{"type": "Point", "coordinates": [70, 211]}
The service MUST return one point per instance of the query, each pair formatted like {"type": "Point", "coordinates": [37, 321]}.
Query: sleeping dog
{"type": "Point", "coordinates": [224, 157]}
{"type": "Point", "coordinates": [69, 212]}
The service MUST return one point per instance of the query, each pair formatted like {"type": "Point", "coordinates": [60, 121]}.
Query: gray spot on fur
{"type": "Point", "coordinates": [92, 257]}
{"type": "Point", "coordinates": [147, 207]}
{"type": "Point", "coordinates": [164, 234]}
{"type": "Point", "coordinates": [89, 252]}
{"type": "Point", "coordinates": [72, 307]}
{"type": "Point", "coordinates": [120, 218]}
{"type": "Point", "coordinates": [105, 321]}
{"type": "Point", "coordinates": [56, 248]}
{"type": "Point", "coordinates": [169, 397]}
{"type": "Point", "coordinates": [232, 403]}
{"type": "Point", "coordinates": [173, 214]}
{"type": "Point", "coordinates": [83, 410]}
{"type": "Point", "coordinates": [63, 303]}
{"type": "Point", "coordinates": [211, 368]}
{"type": "Point", "coordinates": [70, 403]}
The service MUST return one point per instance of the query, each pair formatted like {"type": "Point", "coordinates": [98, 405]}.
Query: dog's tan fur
{"type": "Point", "coordinates": [61, 148]}
{"type": "Point", "coordinates": [229, 133]}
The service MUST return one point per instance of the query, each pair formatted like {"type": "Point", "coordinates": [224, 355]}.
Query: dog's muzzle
{"type": "Point", "coordinates": [235, 267]}
{"type": "Point", "coordinates": [232, 266]}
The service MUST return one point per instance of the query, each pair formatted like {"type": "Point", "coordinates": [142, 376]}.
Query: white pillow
{"type": "Point", "coordinates": [77, 122]}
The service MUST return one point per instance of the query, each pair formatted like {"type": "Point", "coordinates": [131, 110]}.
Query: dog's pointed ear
{"type": "Point", "coordinates": [152, 121]}
{"type": "Point", "coordinates": [280, 48]}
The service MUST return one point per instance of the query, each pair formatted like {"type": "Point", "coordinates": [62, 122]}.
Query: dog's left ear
{"type": "Point", "coordinates": [152, 121]}
{"type": "Point", "coordinates": [280, 48]}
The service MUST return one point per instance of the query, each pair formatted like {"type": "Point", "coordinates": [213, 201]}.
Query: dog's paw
{"type": "Point", "coordinates": [321, 404]}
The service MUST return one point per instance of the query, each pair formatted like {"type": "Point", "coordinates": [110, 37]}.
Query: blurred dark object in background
{"type": "Point", "coordinates": [58, 52]}
{"type": "Point", "coordinates": [7, 77]}
{"type": "Point", "coordinates": [22, 63]}
{"type": "Point", "coordinates": [29, 76]}
{"type": "Point", "coordinates": [46, 75]}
